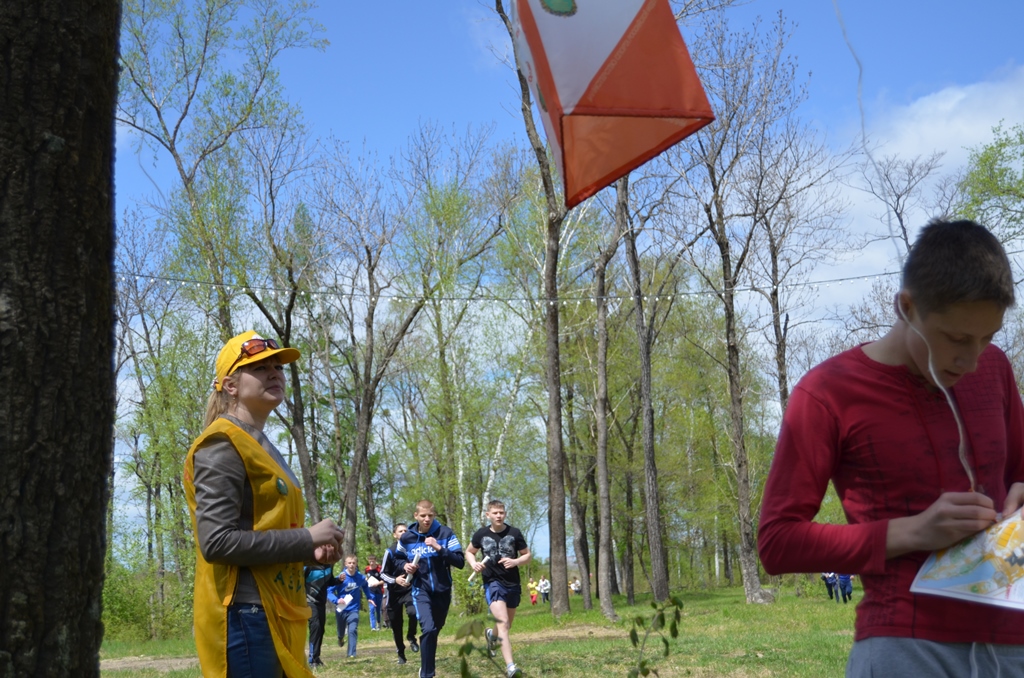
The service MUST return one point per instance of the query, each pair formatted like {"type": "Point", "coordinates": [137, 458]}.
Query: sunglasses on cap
{"type": "Point", "coordinates": [257, 345]}
{"type": "Point", "coordinates": [252, 347]}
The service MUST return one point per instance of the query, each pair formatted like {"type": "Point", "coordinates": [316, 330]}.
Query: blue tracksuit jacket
{"type": "Point", "coordinates": [434, 573]}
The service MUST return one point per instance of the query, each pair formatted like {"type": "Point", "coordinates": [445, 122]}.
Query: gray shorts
{"type": "Point", "coordinates": [910, 657]}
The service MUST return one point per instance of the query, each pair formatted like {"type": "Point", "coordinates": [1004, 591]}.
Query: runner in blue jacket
{"type": "Point", "coordinates": [351, 584]}
{"type": "Point", "coordinates": [437, 549]}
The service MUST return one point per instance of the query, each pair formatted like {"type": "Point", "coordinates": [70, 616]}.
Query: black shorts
{"type": "Point", "coordinates": [495, 591]}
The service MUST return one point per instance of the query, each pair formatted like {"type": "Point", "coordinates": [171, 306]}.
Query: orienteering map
{"type": "Point", "coordinates": [985, 568]}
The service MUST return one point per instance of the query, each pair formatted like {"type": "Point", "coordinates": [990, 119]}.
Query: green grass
{"type": "Point", "coordinates": [719, 635]}
{"type": "Point", "coordinates": [179, 647]}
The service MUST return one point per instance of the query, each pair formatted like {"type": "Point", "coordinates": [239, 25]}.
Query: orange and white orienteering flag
{"type": "Point", "coordinates": [614, 83]}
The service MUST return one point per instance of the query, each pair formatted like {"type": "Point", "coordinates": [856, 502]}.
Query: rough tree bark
{"type": "Point", "coordinates": [645, 341]}
{"type": "Point", "coordinates": [575, 481]}
{"type": "Point", "coordinates": [58, 86]}
{"type": "Point", "coordinates": [605, 555]}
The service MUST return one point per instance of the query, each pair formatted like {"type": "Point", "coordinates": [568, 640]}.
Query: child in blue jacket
{"type": "Point", "coordinates": [347, 597]}
{"type": "Point", "coordinates": [427, 551]}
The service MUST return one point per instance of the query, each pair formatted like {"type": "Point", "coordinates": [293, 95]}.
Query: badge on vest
{"type": "Point", "coordinates": [282, 487]}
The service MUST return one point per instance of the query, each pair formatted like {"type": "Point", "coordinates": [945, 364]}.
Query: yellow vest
{"type": "Point", "coordinates": [277, 505]}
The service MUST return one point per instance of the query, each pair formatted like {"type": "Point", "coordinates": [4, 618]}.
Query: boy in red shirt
{"type": "Point", "coordinates": [874, 421]}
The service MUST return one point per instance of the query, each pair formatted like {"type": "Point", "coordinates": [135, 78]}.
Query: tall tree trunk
{"type": "Point", "coordinates": [297, 428]}
{"type": "Point", "coordinates": [748, 544]}
{"type": "Point", "coordinates": [556, 472]}
{"type": "Point", "coordinates": [630, 555]}
{"type": "Point", "coordinates": [372, 526]}
{"type": "Point", "coordinates": [160, 572]}
{"type": "Point", "coordinates": [368, 376]}
{"type": "Point", "coordinates": [605, 555]}
{"type": "Point", "coordinates": [727, 559]}
{"type": "Point", "coordinates": [644, 338]}
{"type": "Point", "coordinates": [349, 506]}
{"type": "Point", "coordinates": [461, 452]}
{"type": "Point", "coordinates": [58, 85]}
{"type": "Point", "coordinates": [555, 215]}
{"type": "Point", "coordinates": [593, 525]}
{"type": "Point", "coordinates": [448, 485]}
{"type": "Point", "coordinates": [577, 505]}
{"type": "Point", "coordinates": [780, 325]}
{"type": "Point", "coordinates": [629, 530]}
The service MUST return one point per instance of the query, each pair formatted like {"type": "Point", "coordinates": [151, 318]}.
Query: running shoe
{"type": "Point", "coordinates": [492, 642]}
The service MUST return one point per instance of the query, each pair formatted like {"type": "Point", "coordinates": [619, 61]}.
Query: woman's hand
{"type": "Point", "coordinates": [326, 555]}
{"type": "Point", "coordinates": [326, 533]}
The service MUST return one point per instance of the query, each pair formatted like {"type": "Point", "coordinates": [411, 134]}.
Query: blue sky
{"type": "Point", "coordinates": [390, 66]}
{"type": "Point", "coordinates": [937, 76]}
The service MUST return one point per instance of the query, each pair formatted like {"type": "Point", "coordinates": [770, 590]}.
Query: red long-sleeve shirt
{"type": "Point", "coordinates": [890, 445]}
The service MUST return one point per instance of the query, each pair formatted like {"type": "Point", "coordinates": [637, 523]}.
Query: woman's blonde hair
{"type": "Point", "coordinates": [217, 404]}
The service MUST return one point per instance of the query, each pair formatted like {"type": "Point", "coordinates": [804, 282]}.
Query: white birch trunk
{"type": "Point", "coordinates": [496, 457]}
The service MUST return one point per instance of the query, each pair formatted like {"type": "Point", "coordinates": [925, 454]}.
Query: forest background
{"type": "Point", "coordinates": [615, 373]}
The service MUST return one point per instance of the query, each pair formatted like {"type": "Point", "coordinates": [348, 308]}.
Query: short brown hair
{"type": "Point", "coordinates": [494, 503]}
{"type": "Point", "coordinates": [957, 261]}
{"type": "Point", "coordinates": [424, 504]}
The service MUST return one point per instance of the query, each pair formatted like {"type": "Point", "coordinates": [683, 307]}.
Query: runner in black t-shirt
{"type": "Point", "coordinates": [504, 549]}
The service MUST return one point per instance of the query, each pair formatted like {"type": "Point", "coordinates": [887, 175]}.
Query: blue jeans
{"type": "Point", "coordinates": [348, 621]}
{"type": "Point", "coordinates": [251, 652]}
{"type": "Point", "coordinates": [375, 617]}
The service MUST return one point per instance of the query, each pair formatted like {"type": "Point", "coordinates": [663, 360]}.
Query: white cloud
{"type": "Point", "coordinates": [953, 119]}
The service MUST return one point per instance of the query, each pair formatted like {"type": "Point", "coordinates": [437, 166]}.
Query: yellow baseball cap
{"type": "Point", "coordinates": [248, 348]}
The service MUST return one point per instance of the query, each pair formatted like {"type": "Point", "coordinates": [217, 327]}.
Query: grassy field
{"type": "Point", "coordinates": [720, 635]}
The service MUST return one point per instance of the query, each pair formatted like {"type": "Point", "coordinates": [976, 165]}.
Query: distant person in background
{"type": "Point", "coordinates": [347, 597]}
{"type": "Point", "coordinates": [372, 572]}
{"type": "Point", "coordinates": [544, 587]}
{"type": "Point", "coordinates": [576, 586]}
{"type": "Point", "coordinates": [249, 604]}
{"type": "Point", "coordinates": [532, 586]}
{"type": "Point", "coordinates": [318, 578]}
{"type": "Point", "coordinates": [830, 582]}
{"type": "Point", "coordinates": [846, 587]}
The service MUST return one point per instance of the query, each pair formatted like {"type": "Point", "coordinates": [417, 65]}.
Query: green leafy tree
{"type": "Point", "coordinates": [194, 75]}
{"type": "Point", "coordinates": [992, 187]}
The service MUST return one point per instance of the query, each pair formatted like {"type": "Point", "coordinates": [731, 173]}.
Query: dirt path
{"type": "Point", "coordinates": [376, 646]}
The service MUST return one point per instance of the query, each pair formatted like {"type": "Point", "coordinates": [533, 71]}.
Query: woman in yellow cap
{"type": "Point", "coordinates": [247, 511]}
